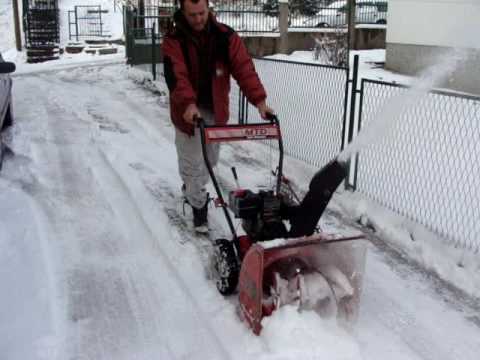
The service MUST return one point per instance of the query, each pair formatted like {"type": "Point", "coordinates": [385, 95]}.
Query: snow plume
{"type": "Point", "coordinates": [389, 113]}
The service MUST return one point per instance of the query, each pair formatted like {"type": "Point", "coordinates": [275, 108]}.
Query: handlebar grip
{"type": "Point", "coordinates": [272, 117]}
{"type": "Point", "coordinates": [198, 120]}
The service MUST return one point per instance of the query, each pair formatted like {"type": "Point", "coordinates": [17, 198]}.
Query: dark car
{"type": "Point", "coordinates": [6, 111]}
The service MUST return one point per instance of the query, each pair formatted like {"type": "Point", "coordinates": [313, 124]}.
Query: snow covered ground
{"type": "Point", "coordinates": [7, 38]}
{"type": "Point", "coordinates": [95, 265]}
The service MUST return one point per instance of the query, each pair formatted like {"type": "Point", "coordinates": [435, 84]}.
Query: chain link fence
{"type": "Point", "coordinates": [426, 171]}
{"type": "Point", "coordinates": [247, 15]}
{"type": "Point", "coordinates": [426, 168]}
{"type": "Point", "coordinates": [310, 101]}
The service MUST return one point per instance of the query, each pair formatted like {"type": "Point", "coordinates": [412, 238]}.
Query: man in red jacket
{"type": "Point", "coordinates": [200, 54]}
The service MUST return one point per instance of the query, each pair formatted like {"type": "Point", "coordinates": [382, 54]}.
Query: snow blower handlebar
{"type": "Point", "coordinates": [228, 133]}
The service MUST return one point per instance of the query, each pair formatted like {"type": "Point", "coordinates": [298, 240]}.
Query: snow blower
{"type": "Point", "coordinates": [273, 264]}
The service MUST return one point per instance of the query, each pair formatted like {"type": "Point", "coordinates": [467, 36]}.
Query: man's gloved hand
{"type": "Point", "coordinates": [191, 114]}
{"type": "Point", "coordinates": [264, 110]}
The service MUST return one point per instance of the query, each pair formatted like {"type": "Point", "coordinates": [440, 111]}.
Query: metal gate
{"type": "Point", "coordinates": [85, 22]}
{"type": "Point", "coordinates": [41, 27]}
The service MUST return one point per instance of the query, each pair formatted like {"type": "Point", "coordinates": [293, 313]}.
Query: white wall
{"type": "Point", "coordinates": [434, 22]}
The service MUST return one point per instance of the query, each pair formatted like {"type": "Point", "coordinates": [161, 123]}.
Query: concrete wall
{"type": "Point", "coordinates": [421, 31]}
{"type": "Point", "coordinates": [370, 38]}
{"type": "Point", "coordinates": [434, 22]}
{"type": "Point", "coordinates": [365, 38]}
{"type": "Point", "coordinates": [413, 59]}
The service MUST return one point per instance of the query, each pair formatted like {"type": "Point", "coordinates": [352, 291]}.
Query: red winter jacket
{"type": "Point", "coordinates": [228, 56]}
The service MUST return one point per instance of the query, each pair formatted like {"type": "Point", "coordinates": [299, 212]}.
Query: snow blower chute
{"type": "Point", "coordinates": [273, 264]}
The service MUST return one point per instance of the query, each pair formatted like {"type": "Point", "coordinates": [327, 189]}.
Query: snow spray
{"type": "Point", "coordinates": [386, 116]}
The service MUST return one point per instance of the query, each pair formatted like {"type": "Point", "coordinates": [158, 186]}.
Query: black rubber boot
{"type": "Point", "coordinates": [200, 221]}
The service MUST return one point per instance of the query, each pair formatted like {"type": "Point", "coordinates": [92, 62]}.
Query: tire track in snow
{"type": "Point", "coordinates": [132, 214]}
{"type": "Point", "coordinates": [117, 274]}
{"type": "Point", "coordinates": [109, 293]}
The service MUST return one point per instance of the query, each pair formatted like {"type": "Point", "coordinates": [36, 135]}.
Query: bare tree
{"type": "Point", "coordinates": [332, 48]}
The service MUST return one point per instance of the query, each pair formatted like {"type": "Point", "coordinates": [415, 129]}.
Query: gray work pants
{"type": "Point", "coordinates": [191, 164]}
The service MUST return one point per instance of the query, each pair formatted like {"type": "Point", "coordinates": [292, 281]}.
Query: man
{"type": "Point", "coordinates": [200, 54]}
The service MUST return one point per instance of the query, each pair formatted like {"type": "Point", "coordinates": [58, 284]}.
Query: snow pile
{"type": "Point", "coordinates": [459, 267]}
{"type": "Point", "coordinates": [292, 335]}
{"type": "Point", "coordinates": [29, 307]}
{"type": "Point", "coordinates": [7, 34]}
{"type": "Point", "coordinates": [95, 151]}
{"type": "Point", "coordinates": [369, 67]}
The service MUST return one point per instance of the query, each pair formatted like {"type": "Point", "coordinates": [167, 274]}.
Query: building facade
{"type": "Point", "coordinates": [420, 32]}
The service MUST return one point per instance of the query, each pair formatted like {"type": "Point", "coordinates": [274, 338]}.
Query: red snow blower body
{"type": "Point", "coordinates": [273, 264]}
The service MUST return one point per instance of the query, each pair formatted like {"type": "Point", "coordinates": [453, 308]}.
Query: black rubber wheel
{"type": "Point", "coordinates": [226, 267]}
{"type": "Point", "coordinates": [8, 121]}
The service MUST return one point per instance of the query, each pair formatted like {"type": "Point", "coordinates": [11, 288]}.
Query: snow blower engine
{"type": "Point", "coordinates": [274, 264]}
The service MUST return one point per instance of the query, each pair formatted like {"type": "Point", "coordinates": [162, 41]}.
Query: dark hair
{"type": "Point", "coordinates": [193, 1]}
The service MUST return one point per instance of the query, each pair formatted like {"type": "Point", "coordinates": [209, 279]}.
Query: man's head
{"type": "Point", "coordinates": [196, 13]}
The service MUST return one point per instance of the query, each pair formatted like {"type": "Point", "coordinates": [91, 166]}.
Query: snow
{"type": "Point", "coordinates": [95, 267]}
{"type": "Point", "coordinates": [31, 301]}
{"type": "Point", "coordinates": [124, 282]}
{"type": "Point", "coordinates": [7, 37]}
{"type": "Point", "coordinates": [287, 344]}
{"type": "Point", "coordinates": [66, 61]}
{"type": "Point", "coordinates": [457, 265]}
{"type": "Point", "coordinates": [368, 68]}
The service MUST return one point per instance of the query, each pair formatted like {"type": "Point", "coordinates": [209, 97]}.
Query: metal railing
{"type": "Point", "coordinates": [144, 32]}
{"type": "Point", "coordinates": [328, 14]}
{"type": "Point", "coordinates": [85, 22]}
{"type": "Point", "coordinates": [248, 15]}
{"type": "Point", "coordinates": [426, 169]}
{"type": "Point", "coordinates": [255, 16]}
{"type": "Point", "coordinates": [41, 23]}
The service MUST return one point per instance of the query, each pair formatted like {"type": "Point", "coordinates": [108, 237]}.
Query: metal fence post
{"type": "Point", "coordinates": [127, 30]}
{"type": "Point", "coordinates": [154, 60]}
{"type": "Point", "coordinates": [76, 23]}
{"type": "Point", "coordinates": [125, 20]}
{"type": "Point", "coordinates": [353, 98]}
{"type": "Point", "coordinates": [283, 16]}
{"type": "Point", "coordinates": [69, 25]}
{"type": "Point", "coordinates": [245, 109]}
{"type": "Point", "coordinates": [241, 119]}
{"type": "Point", "coordinates": [351, 125]}
{"type": "Point", "coordinates": [352, 6]}
{"type": "Point", "coordinates": [359, 126]}
{"type": "Point", "coordinates": [100, 17]}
